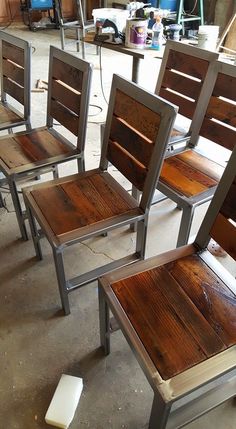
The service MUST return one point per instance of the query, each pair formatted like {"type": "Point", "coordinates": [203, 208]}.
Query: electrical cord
{"type": "Point", "coordinates": [101, 80]}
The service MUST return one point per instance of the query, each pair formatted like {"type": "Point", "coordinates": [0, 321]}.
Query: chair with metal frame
{"type": "Point", "coordinates": [92, 203]}
{"type": "Point", "coordinates": [80, 25]}
{"type": "Point", "coordinates": [15, 82]}
{"type": "Point", "coordinates": [39, 150]}
{"type": "Point", "coordinates": [189, 178]}
{"type": "Point", "coordinates": [177, 312]}
{"type": "Point", "coordinates": [182, 80]}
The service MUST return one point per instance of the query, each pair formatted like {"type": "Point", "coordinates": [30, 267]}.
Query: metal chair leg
{"type": "Point", "coordinates": [141, 238]}
{"type": "Point", "coordinates": [35, 234]}
{"type": "Point", "coordinates": [159, 413]}
{"type": "Point", "coordinates": [58, 260]}
{"type": "Point", "coordinates": [185, 225]}
{"type": "Point", "coordinates": [104, 322]}
{"type": "Point", "coordinates": [55, 172]}
{"type": "Point", "coordinates": [18, 209]}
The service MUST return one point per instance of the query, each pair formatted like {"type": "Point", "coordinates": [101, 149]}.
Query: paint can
{"type": "Point", "coordinates": [136, 33]}
{"type": "Point", "coordinates": [208, 36]}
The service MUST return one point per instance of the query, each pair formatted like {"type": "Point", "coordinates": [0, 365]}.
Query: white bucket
{"type": "Point", "coordinates": [117, 16]}
{"type": "Point", "coordinates": [136, 33]}
{"type": "Point", "coordinates": [208, 36]}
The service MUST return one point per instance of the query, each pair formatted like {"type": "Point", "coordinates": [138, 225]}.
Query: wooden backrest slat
{"type": "Point", "coordinates": [13, 72]}
{"type": "Point", "coordinates": [188, 64]}
{"type": "Point", "coordinates": [13, 53]}
{"type": "Point", "coordinates": [186, 107]}
{"type": "Point", "coordinates": [223, 232]}
{"type": "Point", "coordinates": [182, 84]}
{"type": "Point", "coordinates": [219, 123]}
{"type": "Point", "coordinates": [14, 90]}
{"type": "Point", "coordinates": [128, 138]}
{"type": "Point", "coordinates": [222, 110]}
{"type": "Point", "coordinates": [66, 118]}
{"type": "Point", "coordinates": [67, 74]}
{"type": "Point", "coordinates": [66, 96]}
{"type": "Point", "coordinates": [225, 84]}
{"type": "Point", "coordinates": [127, 165]}
{"type": "Point", "coordinates": [218, 133]}
{"type": "Point", "coordinates": [136, 115]}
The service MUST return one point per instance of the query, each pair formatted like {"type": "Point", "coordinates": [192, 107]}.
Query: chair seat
{"type": "Point", "coordinates": [19, 151]}
{"type": "Point", "coordinates": [81, 200]}
{"type": "Point", "coordinates": [8, 117]}
{"type": "Point", "coordinates": [179, 326]}
{"type": "Point", "coordinates": [190, 174]}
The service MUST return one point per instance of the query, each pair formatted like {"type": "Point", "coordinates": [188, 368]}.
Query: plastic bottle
{"type": "Point", "coordinates": [157, 34]}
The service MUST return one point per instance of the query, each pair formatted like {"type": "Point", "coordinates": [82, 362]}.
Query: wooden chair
{"type": "Point", "coordinates": [27, 154]}
{"type": "Point", "coordinates": [189, 178]}
{"type": "Point", "coordinates": [181, 80]}
{"type": "Point", "coordinates": [177, 312]}
{"type": "Point", "coordinates": [80, 25]}
{"type": "Point", "coordinates": [15, 82]}
{"type": "Point", "coordinates": [183, 77]}
{"type": "Point", "coordinates": [92, 203]}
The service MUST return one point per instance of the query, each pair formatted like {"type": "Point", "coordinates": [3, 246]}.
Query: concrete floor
{"type": "Point", "coordinates": [37, 343]}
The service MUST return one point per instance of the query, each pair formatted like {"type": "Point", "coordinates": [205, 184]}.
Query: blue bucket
{"type": "Point", "coordinates": [168, 4]}
{"type": "Point", "coordinates": [41, 4]}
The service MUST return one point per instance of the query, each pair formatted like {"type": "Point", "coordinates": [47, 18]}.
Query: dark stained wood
{"type": "Point", "coordinates": [195, 67]}
{"type": "Point", "coordinates": [226, 86]}
{"type": "Point", "coordinates": [228, 208]}
{"type": "Point", "coordinates": [164, 317]}
{"type": "Point", "coordinates": [138, 146]}
{"type": "Point", "coordinates": [66, 96]}
{"type": "Point", "coordinates": [13, 72]}
{"type": "Point", "coordinates": [65, 117]}
{"type": "Point", "coordinates": [222, 110]}
{"type": "Point", "coordinates": [79, 202]}
{"type": "Point", "coordinates": [13, 53]}
{"type": "Point", "coordinates": [182, 84]}
{"type": "Point", "coordinates": [30, 147]}
{"type": "Point", "coordinates": [186, 107]}
{"type": "Point", "coordinates": [201, 163]}
{"type": "Point", "coordinates": [6, 115]}
{"type": "Point", "coordinates": [184, 178]}
{"type": "Point", "coordinates": [67, 74]}
{"type": "Point", "coordinates": [127, 165]}
{"type": "Point", "coordinates": [209, 294]}
{"type": "Point", "coordinates": [218, 133]}
{"type": "Point", "coordinates": [14, 90]}
{"type": "Point", "coordinates": [224, 233]}
{"type": "Point", "coordinates": [137, 115]}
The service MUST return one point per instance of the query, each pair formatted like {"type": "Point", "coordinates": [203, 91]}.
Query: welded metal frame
{"type": "Point", "coordinates": [21, 173]}
{"type": "Point", "coordinates": [25, 117]}
{"type": "Point", "coordinates": [197, 390]}
{"type": "Point", "coordinates": [139, 212]}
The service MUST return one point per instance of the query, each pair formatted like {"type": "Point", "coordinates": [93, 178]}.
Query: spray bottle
{"type": "Point", "coordinates": [157, 34]}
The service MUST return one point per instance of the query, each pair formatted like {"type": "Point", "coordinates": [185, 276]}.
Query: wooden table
{"type": "Point", "coordinates": [136, 54]}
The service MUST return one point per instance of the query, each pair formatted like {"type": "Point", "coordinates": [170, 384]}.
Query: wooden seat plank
{"type": "Point", "coordinates": [153, 310]}
{"type": "Point", "coordinates": [7, 115]}
{"type": "Point", "coordinates": [201, 163]}
{"type": "Point", "coordinates": [185, 179]}
{"type": "Point", "coordinates": [210, 295]}
{"type": "Point", "coordinates": [83, 202]}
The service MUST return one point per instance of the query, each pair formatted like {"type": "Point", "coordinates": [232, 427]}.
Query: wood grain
{"type": "Point", "coordinates": [67, 74]}
{"type": "Point", "coordinates": [13, 53]}
{"type": "Point", "coordinates": [182, 62]}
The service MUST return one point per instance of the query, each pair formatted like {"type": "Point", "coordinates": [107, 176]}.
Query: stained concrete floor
{"type": "Point", "coordinates": [37, 343]}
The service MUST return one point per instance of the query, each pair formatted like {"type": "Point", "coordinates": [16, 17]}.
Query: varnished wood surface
{"type": "Point", "coordinates": [190, 173]}
{"type": "Point", "coordinates": [182, 313]}
{"type": "Point", "coordinates": [23, 149]}
{"type": "Point", "coordinates": [13, 53]}
{"type": "Point", "coordinates": [7, 116]}
{"type": "Point", "coordinates": [187, 64]}
{"type": "Point", "coordinates": [81, 201]}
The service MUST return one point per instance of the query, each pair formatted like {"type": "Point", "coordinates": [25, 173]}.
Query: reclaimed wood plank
{"type": "Point", "coordinates": [63, 94]}
{"type": "Point", "coordinates": [13, 53]}
{"type": "Point", "coordinates": [182, 84]}
{"type": "Point", "coordinates": [67, 74]}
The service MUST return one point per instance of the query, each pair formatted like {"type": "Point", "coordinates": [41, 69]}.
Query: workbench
{"type": "Point", "coordinates": [136, 54]}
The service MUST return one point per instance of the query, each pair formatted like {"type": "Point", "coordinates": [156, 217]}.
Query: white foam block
{"type": "Point", "coordinates": [62, 408]}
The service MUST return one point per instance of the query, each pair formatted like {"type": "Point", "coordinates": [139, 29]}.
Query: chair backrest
{"type": "Point", "coordinates": [220, 220]}
{"type": "Point", "coordinates": [69, 85]}
{"type": "Point", "coordinates": [182, 75]}
{"type": "Point", "coordinates": [16, 70]}
{"type": "Point", "coordinates": [219, 121]}
{"type": "Point", "coordinates": [136, 134]}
